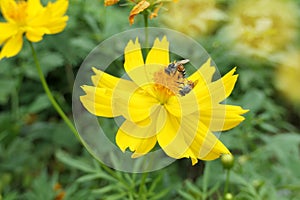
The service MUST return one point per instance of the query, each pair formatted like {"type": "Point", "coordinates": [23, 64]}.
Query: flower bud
{"type": "Point", "coordinates": [228, 196]}
{"type": "Point", "coordinates": [227, 161]}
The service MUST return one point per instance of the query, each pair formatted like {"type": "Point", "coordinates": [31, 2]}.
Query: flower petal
{"type": "Point", "coordinates": [215, 92]}
{"type": "Point", "coordinates": [222, 117]}
{"type": "Point", "coordinates": [159, 54]}
{"type": "Point", "coordinates": [141, 6]}
{"type": "Point", "coordinates": [174, 138]}
{"type": "Point", "coordinates": [104, 80]}
{"type": "Point", "coordinates": [145, 128]}
{"type": "Point", "coordinates": [98, 101]}
{"type": "Point", "coordinates": [140, 146]}
{"type": "Point", "coordinates": [7, 30]}
{"type": "Point", "coordinates": [12, 46]}
{"type": "Point", "coordinates": [204, 74]}
{"type": "Point", "coordinates": [133, 56]}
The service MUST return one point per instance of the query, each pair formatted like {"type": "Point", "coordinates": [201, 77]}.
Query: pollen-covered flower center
{"type": "Point", "coordinates": [17, 11]}
{"type": "Point", "coordinates": [171, 81]}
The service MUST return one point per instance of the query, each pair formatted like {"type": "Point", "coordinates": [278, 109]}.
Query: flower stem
{"type": "Point", "coordinates": [142, 185]}
{"type": "Point", "coordinates": [49, 94]}
{"type": "Point", "coordinates": [146, 30]}
{"type": "Point", "coordinates": [226, 187]}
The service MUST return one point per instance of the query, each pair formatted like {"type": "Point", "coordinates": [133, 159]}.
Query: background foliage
{"type": "Point", "coordinates": [41, 159]}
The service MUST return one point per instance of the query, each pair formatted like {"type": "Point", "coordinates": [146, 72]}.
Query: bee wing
{"type": "Point", "coordinates": [182, 62]}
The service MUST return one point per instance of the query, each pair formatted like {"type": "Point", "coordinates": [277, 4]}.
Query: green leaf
{"type": "Point", "coordinates": [40, 103]}
{"type": "Point", "coordinates": [66, 159]}
{"type": "Point", "coordinates": [7, 86]}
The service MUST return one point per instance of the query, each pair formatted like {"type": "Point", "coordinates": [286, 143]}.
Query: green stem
{"type": "Point", "coordinates": [226, 187]}
{"type": "Point", "coordinates": [142, 186]}
{"type": "Point", "coordinates": [146, 30]}
{"type": "Point", "coordinates": [49, 94]}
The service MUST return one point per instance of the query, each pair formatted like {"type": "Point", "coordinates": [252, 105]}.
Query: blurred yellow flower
{"type": "Point", "coordinates": [150, 6]}
{"type": "Point", "coordinates": [160, 105]}
{"type": "Point", "coordinates": [262, 27]}
{"type": "Point", "coordinates": [287, 79]}
{"type": "Point", "coordinates": [193, 17]}
{"type": "Point", "coordinates": [110, 2]}
{"type": "Point", "coordinates": [140, 7]}
{"type": "Point", "coordinates": [29, 18]}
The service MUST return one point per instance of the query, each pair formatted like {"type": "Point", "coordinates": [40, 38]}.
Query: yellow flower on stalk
{"type": "Point", "coordinates": [193, 17]}
{"type": "Point", "coordinates": [160, 105]}
{"type": "Point", "coordinates": [262, 27]}
{"type": "Point", "coordinates": [287, 77]}
{"type": "Point", "coordinates": [31, 19]}
{"type": "Point", "coordinates": [150, 6]}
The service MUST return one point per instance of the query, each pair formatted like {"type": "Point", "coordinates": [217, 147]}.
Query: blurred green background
{"type": "Point", "coordinates": [40, 158]}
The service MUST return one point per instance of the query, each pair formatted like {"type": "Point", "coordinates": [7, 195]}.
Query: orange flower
{"type": "Point", "coordinates": [110, 2]}
{"type": "Point", "coordinates": [140, 7]}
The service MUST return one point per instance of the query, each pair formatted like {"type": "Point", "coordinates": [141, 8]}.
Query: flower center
{"type": "Point", "coordinates": [166, 85]}
{"type": "Point", "coordinates": [171, 81]}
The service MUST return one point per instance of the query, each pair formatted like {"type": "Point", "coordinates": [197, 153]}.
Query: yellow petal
{"type": "Point", "coordinates": [222, 117]}
{"type": "Point", "coordinates": [217, 91]}
{"type": "Point", "coordinates": [141, 6]}
{"type": "Point", "coordinates": [174, 137]}
{"type": "Point", "coordinates": [133, 102]}
{"type": "Point", "coordinates": [204, 74]}
{"type": "Point", "coordinates": [36, 34]}
{"type": "Point", "coordinates": [133, 56]}
{"type": "Point", "coordinates": [206, 146]}
{"type": "Point", "coordinates": [140, 146]}
{"type": "Point", "coordinates": [34, 7]}
{"type": "Point", "coordinates": [12, 46]}
{"type": "Point", "coordinates": [159, 54]}
{"type": "Point", "coordinates": [7, 30]}
{"type": "Point", "coordinates": [104, 80]}
{"type": "Point", "coordinates": [98, 101]}
{"type": "Point", "coordinates": [145, 128]}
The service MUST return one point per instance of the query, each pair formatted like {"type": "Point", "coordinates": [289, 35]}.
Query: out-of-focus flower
{"type": "Point", "coordinates": [110, 2]}
{"type": "Point", "coordinates": [287, 76]}
{"type": "Point", "coordinates": [29, 18]}
{"type": "Point", "coordinates": [261, 27]}
{"type": "Point", "coordinates": [150, 6]}
{"type": "Point", "coordinates": [161, 105]}
{"type": "Point", "coordinates": [193, 17]}
{"type": "Point", "coordinates": [140, 7]}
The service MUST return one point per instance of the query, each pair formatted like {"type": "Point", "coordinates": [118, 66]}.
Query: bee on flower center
{"type": "Point", "coordinates": [174, 67]}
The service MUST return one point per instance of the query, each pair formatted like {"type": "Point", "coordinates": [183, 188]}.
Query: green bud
{"type": "Point", "coordinates": [228, 196]}
{"type": "Point", "coordinates": [227, 161]}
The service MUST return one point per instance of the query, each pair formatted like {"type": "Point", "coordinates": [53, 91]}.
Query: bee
{"type": "Point", "coordinates": [172, 68]}
{"type": "Point", "coordinates": [187, 87]}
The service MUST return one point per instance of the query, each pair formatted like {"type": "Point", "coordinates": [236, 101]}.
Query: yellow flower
{"type": "Point", "coordinates": [160, 107]}
{"type": "Point", "coordinates": [287, 77]}
{"type": "Point", "coordinates": [110, 2]}
{"type": "Point", "coordinates": [262, 27]}
{"type": "Point", "coordinates": [29, 18]}
{"type": "Point", "coordinates": [193, 17]}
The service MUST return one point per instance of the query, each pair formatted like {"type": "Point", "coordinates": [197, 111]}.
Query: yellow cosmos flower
{"type": "Point", "coordinates": [29, 18]}
{"type": "Point", "coordinates": [287, 77]}
{"type": "Point", "coordinates": [160, 105]}
{"type": "Point", "coordinates": [193, 17]}
{"type": "Point", "coordinates": [262, 27]}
